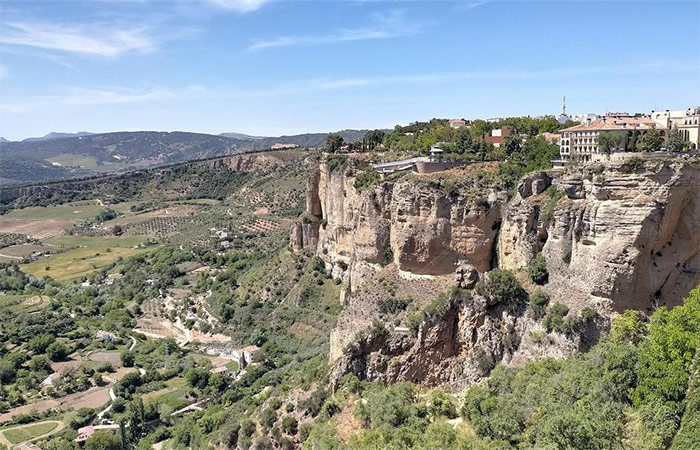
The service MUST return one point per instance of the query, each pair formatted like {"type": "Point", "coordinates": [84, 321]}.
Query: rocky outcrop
{"type": "Point", "coordinates": [615, 237]}
{"type": "Point", "coordinates": [412, 222]}
{"type": "Point", "coordinates": [630, 239]}
{"type": "Point", "coordinates": [456, 347]}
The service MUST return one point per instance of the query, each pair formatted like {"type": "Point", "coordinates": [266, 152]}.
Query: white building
{"type": "Point", "coordinates": [580, 142]}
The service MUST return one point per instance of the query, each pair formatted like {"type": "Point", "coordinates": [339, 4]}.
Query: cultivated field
{"type": "Point", "coordinates": [72, 160]}
{"type": "Point", "coordinates": [18, 304]}
{"type": "Point", "coordinates": [24, 433]}
{"type": "Point", "coordinates": [87, 255]}
{"type": "Point", "coordinates": [75, 211]}
{"type": "Point", "coordinates": [39, 229]}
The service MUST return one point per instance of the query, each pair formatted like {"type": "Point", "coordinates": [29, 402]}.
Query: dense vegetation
{"type": "Point", "coordinates": [636, 389]}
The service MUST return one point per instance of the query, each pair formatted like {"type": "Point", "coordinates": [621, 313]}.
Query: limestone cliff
{"type": "Point", "coordinates": [629, 239]}
{"type": "Point", "coordinates": [615, 237]}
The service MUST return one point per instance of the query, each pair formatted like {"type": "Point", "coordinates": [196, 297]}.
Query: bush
{"type": "Point", "coordinates": [501, 286]}
{"type": "Point", "coordinates": [57, 351]}
{"type": "Point", "coordinates": [368, 178]}
{"type": "Point", "coordinates": [538, 303]}
{"type": "Point", "coordinates": [538, 270]}
{"type": "Point", "coordinates": [633, 164]}
{"type": "Point", "coordinates": [554, 319]}
{"type": "Point", "coordinates": [290, 425]}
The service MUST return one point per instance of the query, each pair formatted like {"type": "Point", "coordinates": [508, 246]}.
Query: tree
{"type": "Point", "coordinates": [102, 440]}
{"type": "Point", "coordinates": [650, 141]}
{"type": "Point", "coordinates": [373, 138]}
{"type": "Point", "coordinates": [57, 351]}
{"type": "Point", "coordinates": [675, 140]}
{"type": "Point", "coordinates": [38, 344]}
{"type": "Point", "coordinates": [513, 144]}
{"type": "Point", "coordinates": [501, 286]}
{"type": "Point", "coordinates": [609, 142]}
{"type": "Point", "coordinates": [538, 270]}
{"type": "Point", "coordinates": [127, 358]}
{"type": "Point", "coordinates": [464, 140]}
{"type": "Point", "coordinates": [334, 142]}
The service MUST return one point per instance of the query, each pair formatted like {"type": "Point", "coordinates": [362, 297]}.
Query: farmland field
{"type": "Point", "coordinates": [70, 211]}
{"type": "Point", "coordinates": [89, 254]}
{"type": "Point", "coordinates": [22, 303]}
{"type": "Point", "coordinates": [73, 160]}
{"type": "Point", "coordinates": [39, 229]}
{"type": "Point", "coordinates": [26, 433]}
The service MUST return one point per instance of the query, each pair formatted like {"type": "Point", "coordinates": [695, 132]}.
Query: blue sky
{"type": "Point", "coordinates": [281, 67]}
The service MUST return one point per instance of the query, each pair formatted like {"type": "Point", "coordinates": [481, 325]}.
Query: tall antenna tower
{"type": "Point", "coordinates": [563, 109]}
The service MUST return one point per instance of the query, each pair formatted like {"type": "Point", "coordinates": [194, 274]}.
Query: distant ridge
{"type": "Point", "coordinates": [55, 135]}
{"type": "Point", "coordinates": [242, 136]}
{"type": "Point", "coordinates": [59, 156]}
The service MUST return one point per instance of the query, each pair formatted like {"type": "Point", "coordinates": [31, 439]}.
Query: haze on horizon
{"type": "Point", "coordinates": [285, 67]}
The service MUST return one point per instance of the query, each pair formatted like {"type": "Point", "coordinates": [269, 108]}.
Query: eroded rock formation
{"type": "Point", "coordinates": [615, 237]}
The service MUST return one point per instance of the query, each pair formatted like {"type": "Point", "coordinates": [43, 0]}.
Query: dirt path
{"type": "Point", "coordinates": [3, 441]}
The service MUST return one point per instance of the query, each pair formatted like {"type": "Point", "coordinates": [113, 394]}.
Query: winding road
{"type": "Point", "coordinates": [112, 395]}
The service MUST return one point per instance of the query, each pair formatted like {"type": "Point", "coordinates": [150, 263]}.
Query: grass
{"type": "Point", "coordinates": [69, 211]}
{"type": "Point", "coordinates": [24, 434]}
{"type": "Point", "coordinates": [232, 366]}
{"type": "Point", "coordinates": [73, 160]}
{"type": "Point", "coordinates": [19, 304]}
{"type": "Point", "coordinates": [89, 254]}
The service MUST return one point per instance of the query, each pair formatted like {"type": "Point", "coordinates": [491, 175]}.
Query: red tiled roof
{"type": "Point", "coordinates": [615, 123]}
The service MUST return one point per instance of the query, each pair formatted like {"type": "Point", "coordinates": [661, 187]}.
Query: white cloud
{"type": "Point", "coordinates": [391, 24]}
{"type": "Point", "coordinates": [73, 96]}
{"type": "Point", "coordinates": [239, 5]}
{"type": "Point", "coordinates": [100, 39]}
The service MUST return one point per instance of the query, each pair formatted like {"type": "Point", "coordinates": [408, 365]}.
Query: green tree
{"type": "Point", "coordinates": [127, 358]}
{"type": "Point", "coordinates": [57, 351]}
{"type": "Point", "coordinates": [463, 140]}
{"type": "Point", "coordinates": [538, 269]}
{"type": "Point", "coordinates": [501, 286]}
{"type": "Point", "coordinates": [666, 357]}
{"type": "Point", "coordinates": [650, 141]}
{"type": "Point", "coordinates": [102, 440]}
{"type": "Point", "coordinates": [334, 142]}
{"type": "Point", "coordinates": [513, 144]}
{"type": "Point", "coordinates": [675, 140]}
{"type": "Point", "coordinates": [373, 138]}
{"type": "Point", "coordinates": [39, 343]}
{"type": "Point", "coordinates": [609, 142]}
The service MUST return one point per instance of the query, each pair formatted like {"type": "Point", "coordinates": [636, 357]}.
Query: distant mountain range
{"type": "Point", "coordinates": [54, 135]}
{"type": "Point", "coordinates": [65, 155]}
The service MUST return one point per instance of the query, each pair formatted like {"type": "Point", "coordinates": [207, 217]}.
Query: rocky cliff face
{"type": "Point", "coordinates": [629, 239]}
{"type": "Point", "coordinates": [412, 222]}
{"type": "Point", "coordinates": [614, 237]}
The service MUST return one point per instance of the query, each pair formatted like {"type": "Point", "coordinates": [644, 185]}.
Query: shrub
{"type": "Point", "coordinates": [366, 179]}
{"type": "Point", "coordinates": [548, 211]}
{"type": "Point", "coordinates": [633, 164]}
{"type": "Point", "coordinates": [538, 270]}
{"type": "Point", "coordinates": [290, 425]}
{"type": "Point", "coordinates": [588, 314]}
{"type": "Point", "coordinates": [441, 404]}
{"type": "Point", "coordinates": [393, 305]}
{"type": "Point", "coordinates": [501, 286]}
{"type": "Point", "coordinates": [554, 319]}
{"type": "Point", "coordinates": [538, 303]}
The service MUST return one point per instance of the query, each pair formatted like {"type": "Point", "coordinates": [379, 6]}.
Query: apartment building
{"type": "Point", "coordinates": [580, 142]}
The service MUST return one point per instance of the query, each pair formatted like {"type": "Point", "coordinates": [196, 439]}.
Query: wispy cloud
{"type": "Point", "coordinates": [103, 39]}
{"type": "Point", "coordinates": [391, 24]}
{"type": "Point", "coordinates": [72, 96]}
{"type": "Point", "coordinates": [241, 6]}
